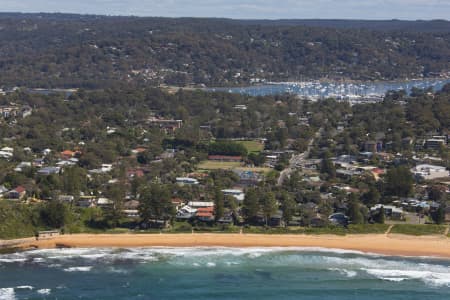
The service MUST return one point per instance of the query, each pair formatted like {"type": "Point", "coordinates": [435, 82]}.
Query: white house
{"type": "Point", "coordinates": [186, 180]}
{"type": "Point", "coordinates": [239, 195]}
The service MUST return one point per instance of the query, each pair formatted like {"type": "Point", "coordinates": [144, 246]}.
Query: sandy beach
{"type": "Point", "coordinates": [402, 245]}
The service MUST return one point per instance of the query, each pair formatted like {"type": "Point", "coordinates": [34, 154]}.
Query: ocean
{"type": "Point", "coordinates": [220, 273]}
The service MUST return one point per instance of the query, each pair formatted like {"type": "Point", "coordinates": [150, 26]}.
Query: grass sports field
{"type": "Point", "coordinates": [252, 146]}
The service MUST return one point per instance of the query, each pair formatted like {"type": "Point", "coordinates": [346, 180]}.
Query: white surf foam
{"type": "Point", "coordinates": [429, 277]}
{"type": "Point", "coordinates": [12, 260]}
{"type": "Point", "coordinates": [24, 287]}
{"type": "Point", "coordinates": [44, 291]}
{"type": "Point", "coordinates": [7, 294]}
{"type": "Point", "coordinates": [78, 269]}
{"type": "Point", "coordinates": [345, 272]}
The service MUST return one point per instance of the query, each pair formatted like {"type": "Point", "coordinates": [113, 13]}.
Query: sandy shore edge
{"type": "Point", "coordinates": [397, 245]}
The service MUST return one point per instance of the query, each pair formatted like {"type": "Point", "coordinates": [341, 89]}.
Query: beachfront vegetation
{"type": "Point", "coordinates": [418, 229]}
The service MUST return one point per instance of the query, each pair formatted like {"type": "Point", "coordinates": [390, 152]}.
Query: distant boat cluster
{"type": "Point", "coordinates": [349, 91]}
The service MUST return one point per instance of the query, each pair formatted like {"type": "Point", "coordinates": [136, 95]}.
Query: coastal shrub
{"type": "Point", "coordinates": [410, 229]}
{"type": "Point", "coordinates": [17, 221]}
{"type": "Point", "coordinates": [367, 228]}
{"type": "Point", "coordinates": [182, 227]}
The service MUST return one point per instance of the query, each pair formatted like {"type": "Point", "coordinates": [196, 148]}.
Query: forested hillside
{"type": "Point", "coordinates": [53, 50]}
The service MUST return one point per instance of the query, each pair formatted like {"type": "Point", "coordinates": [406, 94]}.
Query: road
{"type": "Point", "coordinates": [298, 159]}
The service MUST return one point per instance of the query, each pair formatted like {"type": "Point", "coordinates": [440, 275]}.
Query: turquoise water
{"type": "Point", "coordinates": [335, 89]}
{"type": "Point", "coordinates": [219, 273]}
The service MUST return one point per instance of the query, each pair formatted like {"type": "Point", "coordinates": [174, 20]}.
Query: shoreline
{"type": "Point", "coordinates": [393, 244]}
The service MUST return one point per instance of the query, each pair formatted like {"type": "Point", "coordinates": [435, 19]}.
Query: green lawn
{"type": "Point", "coordinates": [255, 169]}
{"type": "Point", "coordinates": [215, 165]}
{"type": "Point", "coordinates": [418, 229]}
{"type": "Point", "coordinates": [334, 230]}
{"type": "Point", "coordinates": [367, 228]}
{"type": "Point", "coordinates": [252, 146]}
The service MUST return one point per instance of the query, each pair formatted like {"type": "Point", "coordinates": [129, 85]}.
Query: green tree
{"type": "Point", "coordinates": [439, 215]}
{"type": "Point", "coordinates": [288, 206]}
{"type": "Point", "coordinates": [54, 214]}
{"type": "Point", "coordinates": [74, 180]}
{"type": "Point", "coordinates": [155, 203]}
{"type": "Point", "coordinates": [116, 193]}
{"type": "Point", "coordinates": [269, 206]}
{"type": "Point", "coordinates": [218, 204]}
{"type": "Point", "coordinates": [399, 181]}
{"type": "Point", "coordinates": [380, 217]}
{"type": "Point", "coordinates": [251, 206]}
{"type": "Point", "coordinates": [354, 210]}
{"type": "Point", "coordinates": [371, 197]}
{"type": "Point", "coordinates": [327, 167]}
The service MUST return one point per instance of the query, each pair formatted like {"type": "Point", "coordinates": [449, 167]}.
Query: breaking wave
{"type": "Point", "coordinates": [345, 264]}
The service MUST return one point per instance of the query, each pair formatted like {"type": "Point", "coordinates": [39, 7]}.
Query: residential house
{"type": "Point", "coordinates": [373, 146]}
{"type": "Point", "coordinates": [66, 154]}
{"type": "Point", "coordinates": [46, 151]}
{"type": "Point", "coordinates": [22, 165]}
{"type": "Point", "coordinates": [135, 173]}
{"type": "Point", "coordinates": [168, 125]}
{"type": "Point", "coordinates": [38, 162]}
{"type": "Point", "coordinates": [6, 152]}
{"type": "Point", "coordinates": [395, 213]}
{"type": "Point", "coordinates": [8, 111]}
{"type": "Point", "coordinates": [434, 144]}
{"type": "Point", "coordinates": [66, 198]}
{"type": "Point", "coordinates": [240, 107]}
{"type": "Point", "coordinates": [131, 209]}
{"type": "Point", "coordinates": [205, 214]}
{"type": "Point", "coordinates": [16, 194]}
{"type": "Point", "coordinates": [338, 219]}
{"type": "Point", "coordinates": [276, 220]}
{"type": "Point", "coordinates": [227, 218]}
{"type": "Point", "coordinates": [249, 178]}
{"type": "Point", "coordinates": [63, 163]}
{"type": "Point", "coordinates": [271, 160]}
{"type": "Point", "coordinates": [103, 202]}
{"type": "Point", "coordinates": [177, 203]}
{"type": "Point", "coordinates": [239, 195]}
{"type": "Point", "coordinates": [186, 213]}
{"type": "Point", "coordinates": [139, 150]}
{"type": "Point", "coordinates": [49, 170]}
{"type": "Point", "coordinates": [86, 201]}
{"type": "Point", "coordinates": [105, 168]}
{"type": "Point", "coordinates": [186, 181]}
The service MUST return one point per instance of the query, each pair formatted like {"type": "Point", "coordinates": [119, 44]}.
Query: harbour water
{"type": "Point", "coordinates": [340, 90]}
{"type": "Point", "coordinates": [220, 273]}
